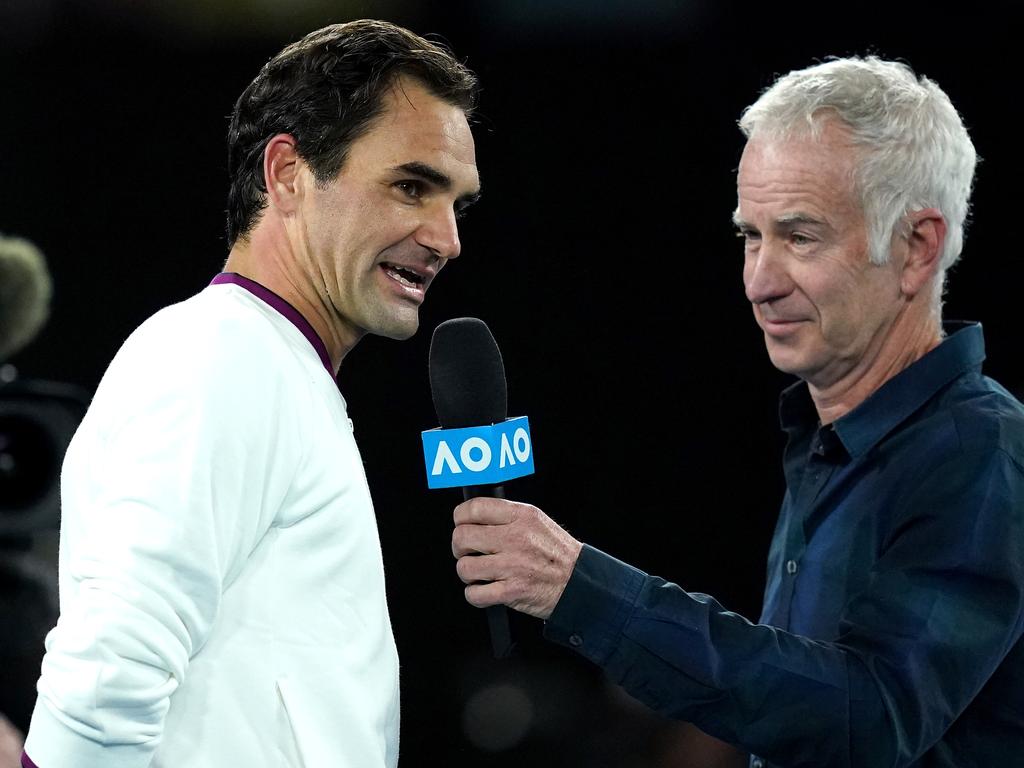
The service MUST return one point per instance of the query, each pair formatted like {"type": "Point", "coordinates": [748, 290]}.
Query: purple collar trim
{"type": "Point", "coordinates": [26, 761]}
{"type": "Point", "coordinates": [282, 306]}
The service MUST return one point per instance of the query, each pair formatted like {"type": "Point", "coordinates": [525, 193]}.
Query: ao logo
{"type": "Point", "coordinates": [487, 455]}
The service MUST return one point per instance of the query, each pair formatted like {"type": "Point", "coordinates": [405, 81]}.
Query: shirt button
{"type": "Point", "coordinates": [791, 567]}
{"type": "Point", "coordinates": [575, 640]}
{"type": "Point", "coordinates": [756, 762]}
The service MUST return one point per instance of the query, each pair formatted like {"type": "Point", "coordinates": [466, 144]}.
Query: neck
{"type": "Point", "coordinates": [903, 345]}
{"type": "Point", "coordinates": [271, 261]}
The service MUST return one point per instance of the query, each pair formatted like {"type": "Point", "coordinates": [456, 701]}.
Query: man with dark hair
{"type": "Point", "coordinates": [222, 587]}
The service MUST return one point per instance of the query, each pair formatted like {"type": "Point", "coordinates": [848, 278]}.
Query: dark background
{"type": "Point", "coordinates": [601, 255]}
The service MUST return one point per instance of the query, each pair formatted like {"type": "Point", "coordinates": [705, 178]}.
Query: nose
{"type": "Point", "coordinates": [764, 274]}
{"type": "Point", "coordinates": [439, 232]}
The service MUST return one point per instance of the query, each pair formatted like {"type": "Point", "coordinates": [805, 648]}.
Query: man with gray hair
{"type": "Point", "coordinates": [894, 607]}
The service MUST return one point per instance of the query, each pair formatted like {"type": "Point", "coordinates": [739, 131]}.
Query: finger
{"type": "Point", "coordinates": [484, 595]}
{"type": "Point", "coordinates": [470, 539]}
{"type": "Point", "coordinates": [478, 568]}
{"type": "Point", "coordinates": [485, 510]}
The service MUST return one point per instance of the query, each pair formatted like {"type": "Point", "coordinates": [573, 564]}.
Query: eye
{"type": "Point", "coordinates": [797, 239]}
{"type": "Point", "coordinates": [410, 188]}
{"type": "Point", "coordinates": [748, 235]}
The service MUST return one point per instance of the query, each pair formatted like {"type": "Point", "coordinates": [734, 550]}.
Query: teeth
{"type": "Point", "coordinates": [397, 274]}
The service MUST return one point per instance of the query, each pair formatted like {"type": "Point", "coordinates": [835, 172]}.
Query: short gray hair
{"type": "Point", "coordinates": [915, 151]}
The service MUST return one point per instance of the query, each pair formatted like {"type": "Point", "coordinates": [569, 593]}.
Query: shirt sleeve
{"type": "Point", "coordinates": [942, 609]}
{"type": "Point", "coordinates": [165, 494]}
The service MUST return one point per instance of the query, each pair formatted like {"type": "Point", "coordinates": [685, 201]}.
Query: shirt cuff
{"type": "Point", "coordinates": [596, 603]}
{"type": "Point", "coordinates": [54, 743]}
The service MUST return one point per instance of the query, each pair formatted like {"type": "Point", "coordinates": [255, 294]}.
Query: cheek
{"type": "Point", "coordinates": [830, 286]}
{"type": "Point", "coordinates": [843, 313]}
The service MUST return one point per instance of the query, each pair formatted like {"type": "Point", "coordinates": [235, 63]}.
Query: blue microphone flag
{"type": "Point", "coordinates": [487, 455]}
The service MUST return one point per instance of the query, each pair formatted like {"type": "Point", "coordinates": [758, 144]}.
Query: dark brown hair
{"type": "Point", "coordinates": [326, 90]}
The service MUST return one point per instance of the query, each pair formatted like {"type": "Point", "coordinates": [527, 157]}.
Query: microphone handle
{"type": "Point", "coordinates": [497, 615]}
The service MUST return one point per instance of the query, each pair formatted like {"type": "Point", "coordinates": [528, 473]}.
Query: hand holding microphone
{"type": "Point", "coordinates": [508, 553]}
{"type": "Point", "coordinates": [512, 554]}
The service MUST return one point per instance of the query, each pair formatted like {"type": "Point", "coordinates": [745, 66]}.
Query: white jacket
{"type": "Point", "coordinates": [222, 587]}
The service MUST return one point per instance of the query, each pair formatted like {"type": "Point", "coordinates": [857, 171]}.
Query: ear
{"type": "Point", "coordinates": [281, 164]}
{"type": "Point", "coordinates": [924, 249]}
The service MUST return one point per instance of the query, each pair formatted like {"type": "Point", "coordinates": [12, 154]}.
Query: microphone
{"type": "Point", "coordinates": [25, 289]}
{"type": "Point", "coordinates": [476, 448]}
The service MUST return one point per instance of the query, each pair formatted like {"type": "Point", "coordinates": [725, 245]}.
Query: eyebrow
{"type": "Point", "coordinates": [438, 179]}
{"type": "Point", "coordinates": [800, 218]}
{"type": "Point", "coordinates": [785, 220]}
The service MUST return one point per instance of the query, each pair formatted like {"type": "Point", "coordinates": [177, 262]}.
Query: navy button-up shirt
{"type": "Point", "coordinates": [894, 607]}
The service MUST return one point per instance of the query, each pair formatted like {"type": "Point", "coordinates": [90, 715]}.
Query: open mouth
{"type": "Point", "coordinates": [403, 275]}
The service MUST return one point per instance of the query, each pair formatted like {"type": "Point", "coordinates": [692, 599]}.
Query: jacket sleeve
{"type": "Point", "coordinates": [164, 494]}
{"type": "Point", "coordinates": [942, 609]}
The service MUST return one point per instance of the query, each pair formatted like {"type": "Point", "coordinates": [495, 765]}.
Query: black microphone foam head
{"type": "Point", "coordinates": [467, 377]}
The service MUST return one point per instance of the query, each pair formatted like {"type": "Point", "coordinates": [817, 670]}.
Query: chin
{"type": "Point", "coordinates": [398, 329]}
{"type": "Point", "coordinates": [786, 361]}
{"type": "Point", "coordinates": [401, 335]}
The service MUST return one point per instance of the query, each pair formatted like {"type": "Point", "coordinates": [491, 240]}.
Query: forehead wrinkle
{"type": "Point", "coordinates": [790, 196]}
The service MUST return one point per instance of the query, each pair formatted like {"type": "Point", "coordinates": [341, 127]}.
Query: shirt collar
{"type": "Point", "coordinates": [284, 308]}
{"type": "Point", "coordinates": [859, 430]}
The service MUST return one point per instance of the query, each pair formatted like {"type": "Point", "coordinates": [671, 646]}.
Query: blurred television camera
{"type": "Point", "coordinates": [37, 421]}
{"type": "Point", "coordinates": [37, 418]}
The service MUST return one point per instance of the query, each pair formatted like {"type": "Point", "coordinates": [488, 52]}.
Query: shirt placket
{"type": "Point", "coordinates": [815, 477]}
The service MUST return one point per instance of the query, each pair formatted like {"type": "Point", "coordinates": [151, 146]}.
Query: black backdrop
{"type": "Point", "coordinates": [601, 256]}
